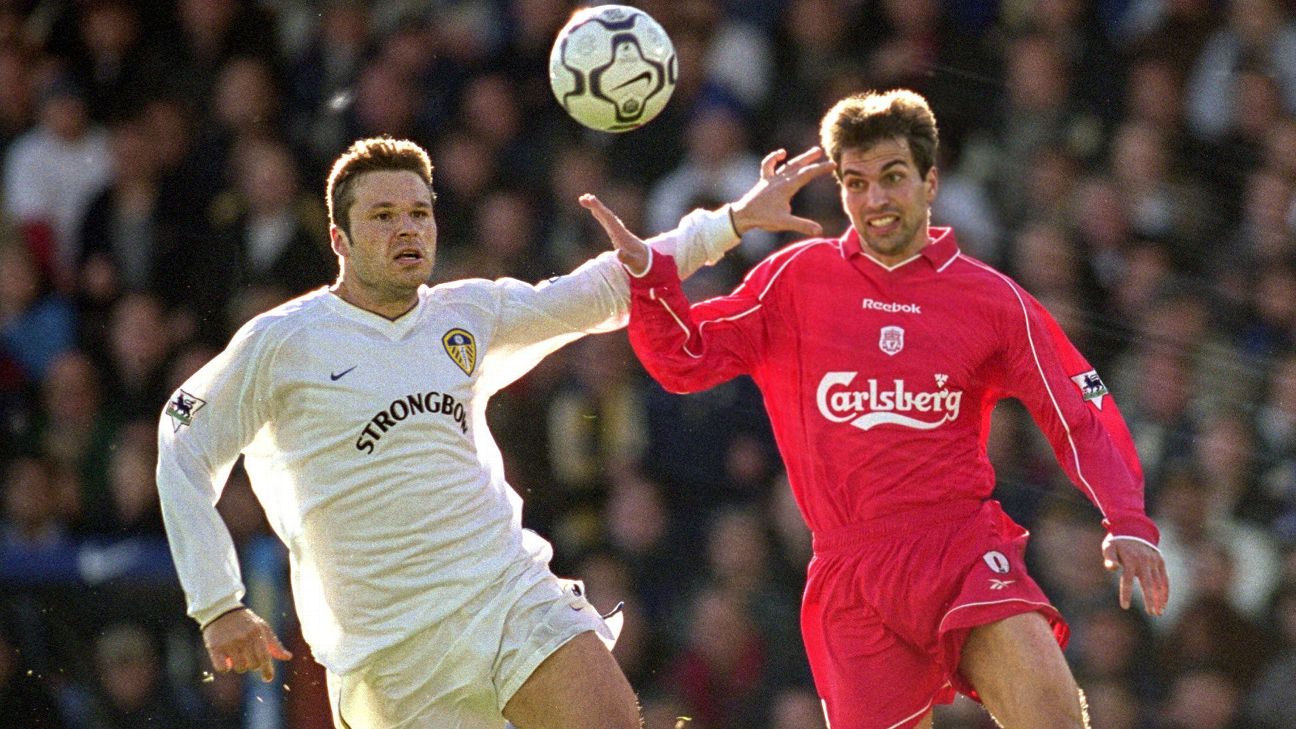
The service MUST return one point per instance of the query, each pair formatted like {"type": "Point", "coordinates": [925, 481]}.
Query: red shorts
{"type": "Point", "coordinates": [888, 607]}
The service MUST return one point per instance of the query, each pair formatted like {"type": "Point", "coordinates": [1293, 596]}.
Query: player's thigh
{"type": "Point", "coordinates": [1018, 670]}
{"type": "Point", "coordinates": [867, 675]}
{"type": "Point", "coordinates": [579, 686]}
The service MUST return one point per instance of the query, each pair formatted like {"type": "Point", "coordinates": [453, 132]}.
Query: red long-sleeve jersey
{"type": "Point", "coordinates": [879, 381]}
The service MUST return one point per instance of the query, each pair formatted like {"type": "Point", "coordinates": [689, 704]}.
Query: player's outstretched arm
{"type": "Point", "coordinates": [1138, 560]}
{"type": "Point", "coordinates": [241, 641]}
{"type": "Point", "coordinates": [767, 205]}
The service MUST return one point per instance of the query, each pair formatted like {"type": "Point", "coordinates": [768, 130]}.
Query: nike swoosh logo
{"type": "Point", "coordinates": [335, 376]}
{"type": "Point", "coordinates": [645, 76]}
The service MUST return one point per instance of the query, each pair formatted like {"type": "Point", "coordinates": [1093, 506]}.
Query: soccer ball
{"type": "Point", "coordinates": [612, 68]}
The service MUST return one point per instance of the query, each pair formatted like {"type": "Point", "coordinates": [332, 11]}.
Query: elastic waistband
{"type": "Point", "coordinates": [860, 533]}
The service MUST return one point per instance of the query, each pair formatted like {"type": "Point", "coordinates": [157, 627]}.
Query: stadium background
{"type": "Point", "coordinates": [1132, 162]}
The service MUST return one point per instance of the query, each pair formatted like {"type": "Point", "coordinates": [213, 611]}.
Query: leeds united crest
{"type": "Point", "coordinates": [462, 348]}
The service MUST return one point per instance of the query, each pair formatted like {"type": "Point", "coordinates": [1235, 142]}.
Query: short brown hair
{"type": "Point", "coordinates": [862, 120]}
{"type": "Point", "coordinates": [375, 154]}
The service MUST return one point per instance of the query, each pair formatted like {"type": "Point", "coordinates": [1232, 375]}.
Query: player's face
{"type": "Point", "coordinates": [392, 242]}
{"type": "Point", "coordinates": [886, 199]}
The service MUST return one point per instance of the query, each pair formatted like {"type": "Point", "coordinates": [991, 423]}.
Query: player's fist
{"type": "Point", "coordinates": [241, 641]}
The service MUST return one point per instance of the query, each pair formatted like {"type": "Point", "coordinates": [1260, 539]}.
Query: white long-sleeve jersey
{"type": "Point", "coordinates": [367, 445]}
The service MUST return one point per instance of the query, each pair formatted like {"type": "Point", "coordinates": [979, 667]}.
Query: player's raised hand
{"type": "Point", "coordinates": [768, 204]}
{"type": "Point", "coordinates": [631, 250]}
{"type": "Point", "coordinates": [240, 641]}
{"type": "Point", "coordinates": [1136, 560]}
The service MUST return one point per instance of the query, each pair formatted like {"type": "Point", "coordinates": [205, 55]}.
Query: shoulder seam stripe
{"type": "Point", "coordinates": [941, 268]}
{"type": "Point", "coordinates": [688, 334]}
{"type": "Point", "coordinates": [678, 322]}
{"type": "Point", "coordinates": [1075, 454]}
{"type": "Point", "coordinates": [791, 256]}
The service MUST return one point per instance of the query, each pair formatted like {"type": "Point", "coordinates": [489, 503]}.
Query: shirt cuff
{"type": "Point", "coordinates": [651, 256]}
{"type": "Point", "coordinates": [1133, 527]}
{"type": "Point", "coordinates": [205, 616]}
{"type": "Point", "coordinates": [661, 272]}
{"type": "Point", "coordinates": [718, 232]}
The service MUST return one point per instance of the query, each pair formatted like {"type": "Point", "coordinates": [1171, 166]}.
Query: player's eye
{"type": "Point", "coordinates": [383, 216]}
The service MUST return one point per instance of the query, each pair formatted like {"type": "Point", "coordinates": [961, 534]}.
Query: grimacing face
{"type": "Point", "coordinates": [390, 248]}
{"type": "Point", "coordinates": [886, 199]}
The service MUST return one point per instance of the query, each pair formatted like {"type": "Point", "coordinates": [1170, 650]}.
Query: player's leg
{"type": "Point", "coordinates": [579, 686]}
{"type": "Point", "coordinates": [867, 675]}
{"type": "Point", "coordinates": [1018, 670]}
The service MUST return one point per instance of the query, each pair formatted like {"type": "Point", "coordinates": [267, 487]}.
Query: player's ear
{"type": "Point", "coordinates": [931, 183]}
{"type": "Point", "coordinates": [338, 241]}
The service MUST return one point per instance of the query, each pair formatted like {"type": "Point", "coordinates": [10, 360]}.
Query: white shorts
{"type": "Point", "coordinates": [459, 673]}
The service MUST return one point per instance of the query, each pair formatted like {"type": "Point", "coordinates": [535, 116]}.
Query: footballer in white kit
{"type": "Point", "coordinates": [365, 438]}
{"type": "Point", "coordinates": [366, 443]}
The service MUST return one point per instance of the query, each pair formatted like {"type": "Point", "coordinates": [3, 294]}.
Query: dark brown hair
{"type": "Point", "coordinates": [862, 120]}
{"type": "Point", "coordinates": [375, 154]}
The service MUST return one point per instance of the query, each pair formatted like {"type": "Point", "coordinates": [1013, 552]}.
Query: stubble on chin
{"type": "Point", "coordinates": [885, 247]}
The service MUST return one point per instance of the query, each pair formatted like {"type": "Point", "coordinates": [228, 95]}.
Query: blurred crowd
{"type": "Point", "coordinates": [1131, 162]}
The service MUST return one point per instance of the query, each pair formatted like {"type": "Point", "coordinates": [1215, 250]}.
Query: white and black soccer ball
{"type": "Point", "coordinates": [612, 68]}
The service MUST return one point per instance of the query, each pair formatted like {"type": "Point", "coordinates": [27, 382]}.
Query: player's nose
{"type": "Point", "coordinates": [875, 196]}
{"type": "Point", "coordinates": [409, 225]}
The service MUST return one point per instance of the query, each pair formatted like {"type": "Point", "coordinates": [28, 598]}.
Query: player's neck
{"type": "Point", "coordinates": [388, 307]}
{"type": "Point", "coordinates": [893, 257]}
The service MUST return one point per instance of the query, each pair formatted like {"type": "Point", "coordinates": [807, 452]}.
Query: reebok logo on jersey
{"type": "Point", "coordinates": [892, 307]}
{"type": "Point", "coordinates": [431, 402]}
{"type": "Point", "coordinates": [894, 403]}
{"type": "Point", "coordinates": [182, 408]}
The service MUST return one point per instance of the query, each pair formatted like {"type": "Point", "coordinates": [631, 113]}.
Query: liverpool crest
{"type": "Point", "coordinates": [462, 348]}
{"type": "Point", "coordinates": [892, 340]}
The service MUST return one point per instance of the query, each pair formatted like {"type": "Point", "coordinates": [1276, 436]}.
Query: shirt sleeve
{"type": "Point", "coordinates": [1077, 414]}
{"type": "Point", "coordinates": [535, 320]}
{"type": "Point", "coordinates": [203, 428]}
{"type": "Point", "coordinates": [688, 348]}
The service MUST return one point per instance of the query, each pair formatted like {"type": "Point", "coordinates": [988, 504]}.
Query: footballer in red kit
{"type": "Point", "coordinates": [880, 356]}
